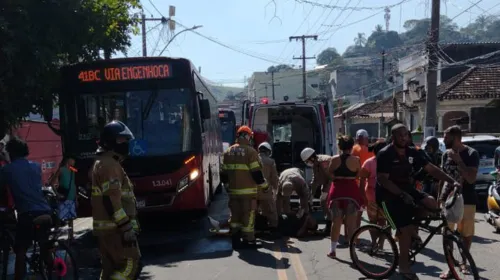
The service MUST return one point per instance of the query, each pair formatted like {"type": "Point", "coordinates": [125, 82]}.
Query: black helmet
{"type": "Point", "coordinates": [433, 142]}
{"type": "Point", "coordinates": [111, 132]}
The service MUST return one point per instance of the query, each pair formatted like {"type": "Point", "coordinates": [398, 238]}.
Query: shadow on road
{"type": "Point", "coordinates": [263, 259]}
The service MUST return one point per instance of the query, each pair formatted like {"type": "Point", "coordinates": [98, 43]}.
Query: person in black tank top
{"type": "Point", "coordinates": [344, 197]}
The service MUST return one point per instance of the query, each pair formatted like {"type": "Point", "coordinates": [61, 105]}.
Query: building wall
{"type": "Point", "coordinates": [290, 84]}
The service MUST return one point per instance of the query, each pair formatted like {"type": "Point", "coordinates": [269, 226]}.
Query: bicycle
{"type": "Point", "coordinates": [451, 239]}
{"type": "Point", "coordinates": [45, 243]}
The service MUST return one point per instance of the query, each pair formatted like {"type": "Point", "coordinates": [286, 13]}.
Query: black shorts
{"type": "Point", "coordinates": [25, 229]}
{"type": "Point", "coordinates": [398, 213]}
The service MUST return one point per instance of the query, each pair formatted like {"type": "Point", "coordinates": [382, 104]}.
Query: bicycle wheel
{"type": "Point", "coordinates": [453, 243]}
{"type": "Point", "coordinates": [63, 266]}
{"type": "Point", "coordinates": [372, 243]}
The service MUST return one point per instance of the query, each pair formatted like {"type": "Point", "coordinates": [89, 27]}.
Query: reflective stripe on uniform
{"type": "Point", "coordinates": [96, 191]}
{"type": "Point", "coordinates": [119, 215]}
{"type": "Point", "coordinates": [236, 166]}
{"type": "Point", "coordinates": [234, 225]}
{"type": "Point", "coordinates": [135, 224]}
{"type": "Point", "coordinates": [254, 165]}
{"type": "Point", "coordinates": [126, 273]}
{"type": "Point", "coordinates": [105, 186]}
{"type": "Point", "coordinates": [127, 194]}
{"type": "Point", "coordinates": [103, 225]}
{"type": "Point", "coordinates": [263, 185]}
{"type": "Point", "coordinates": [251, 223]}
{"type": "Point", "coordinates": [243, 191]}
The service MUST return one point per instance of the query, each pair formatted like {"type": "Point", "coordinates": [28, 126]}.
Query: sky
{"type": "Point", "coordinates": [251, 35]}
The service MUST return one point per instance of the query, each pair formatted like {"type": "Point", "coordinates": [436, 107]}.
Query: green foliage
{"type": "Point", "coordinates": [329, 56]}
{"type": "Point", "coordinates": [483, 29]}
{"type": "Point", "coordinates": [278, 68]}
{"type": "Point", "coordinates": [40, 36]}
{"type": "Point", "coordinates": [380, 40]}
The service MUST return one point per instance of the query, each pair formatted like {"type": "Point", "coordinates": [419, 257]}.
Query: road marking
{"type": "Point", "coordinates": [280, 267]}
{"type": "Point", "coordinates": [296, 262]}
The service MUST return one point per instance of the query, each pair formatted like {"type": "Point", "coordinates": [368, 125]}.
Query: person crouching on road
{"type": "Point", "coordinates": [113, 206]}
{"type": "Point", "coordinates": [242, 173]}
{"type": "Point", "coordinates": [294, 224]}
{"type": "Point", "coordinates": [345, 197]}
{"type": "Point", "coordinates": [266, 199]}
{"type": "Point", "coordinates": [321, 177]}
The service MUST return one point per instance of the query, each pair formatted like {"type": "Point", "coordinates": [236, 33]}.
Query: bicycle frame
{"type": "Point", "coordinates": [431, 230]}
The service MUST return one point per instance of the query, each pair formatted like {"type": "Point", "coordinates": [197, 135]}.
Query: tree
{"type": "Point", "coordinates": [40, 36]}
{"type": "Point", "coordinates": [417, 30]}
{"type": "Point", "coordinates": [355, 51]}
{"type": "Point", "coordinates": [360, 40]}
{"type": "Point", "coordinates": [328, 56]}
{"type": "Point", "coordinates": [378, 28]}
{"type": "Point", "coordinates": [278, 68]}
{"type": "Point", "coordinates": [380, 40]}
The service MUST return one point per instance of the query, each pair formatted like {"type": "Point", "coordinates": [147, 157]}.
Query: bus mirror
{"type": "Point", "coordinates": [204, 109]}
{"type": "Point", "coordinates": [48, 110]}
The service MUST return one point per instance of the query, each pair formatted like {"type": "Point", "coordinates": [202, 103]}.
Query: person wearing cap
{"type": "Point", "coordinates": [323, 177]}
{"type": "Point", "coordinates": [266, 197]}
{"type": "Point", "coordinates": [361, 150]}
{"type": "Point", "coordinates": [242, 173]}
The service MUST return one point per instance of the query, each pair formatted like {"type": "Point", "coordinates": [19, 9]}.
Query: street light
{"type": "Point", "coordinates": [173, 37]}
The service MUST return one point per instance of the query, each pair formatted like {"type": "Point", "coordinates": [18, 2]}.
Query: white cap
{"type": "Point", "coordinates": [362, 133]}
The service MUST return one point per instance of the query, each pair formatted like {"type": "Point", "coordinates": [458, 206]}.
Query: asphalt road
{"type": "Point", "coordinates": [178, 248]}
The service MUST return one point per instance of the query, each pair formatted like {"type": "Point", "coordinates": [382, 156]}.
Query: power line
{"type": "Point", "coordinates": [462, 12]}
{"type": "Point", "coordinates": [356, 8]}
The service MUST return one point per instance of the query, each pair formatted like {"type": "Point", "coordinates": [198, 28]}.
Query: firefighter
{"type": "Point", "coordinates": [113, 206]}
{"type": "Point", "coordinates": [266, 198]}
{"type": "Point", "coordinates": [320, 165]}
{"type": "Point", "coordinates": [242, 173]}
{"type": "Point", "coordinates": [292, 180]}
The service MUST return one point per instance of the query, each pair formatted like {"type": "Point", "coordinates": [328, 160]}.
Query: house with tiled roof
{"type": "Point", "coordinates": [374, 117]}
{"type": "Point", "coordinates": [463, 99]}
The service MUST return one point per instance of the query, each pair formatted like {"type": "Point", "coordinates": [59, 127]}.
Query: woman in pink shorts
{"type": "Point", "coordinates": [368, 179]}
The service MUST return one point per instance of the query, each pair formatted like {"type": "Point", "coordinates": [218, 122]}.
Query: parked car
{"type": "Point", "coordinates": [485, 145]}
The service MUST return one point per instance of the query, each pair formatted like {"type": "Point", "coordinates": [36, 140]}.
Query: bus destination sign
{"type": "Point", "coordinates": [125, 73]}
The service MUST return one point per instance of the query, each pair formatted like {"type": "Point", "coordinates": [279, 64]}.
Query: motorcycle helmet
{"type": "Point", "coordinates": [110, 133]}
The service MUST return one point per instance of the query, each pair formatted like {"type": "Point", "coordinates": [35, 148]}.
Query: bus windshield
{"type": "Point", "coordinates": [228, 131]}
{"type": "Point", "coordinates": [162, 121]}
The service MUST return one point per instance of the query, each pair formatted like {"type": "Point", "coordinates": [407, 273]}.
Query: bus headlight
{"type": "Point", "coordinates": [194, 174]}
{"type": "Point", "coordinates": [183, 183]}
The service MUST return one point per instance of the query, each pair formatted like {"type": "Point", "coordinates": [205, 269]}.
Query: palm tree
{"type": "Point", "coordinates": [360, 40]}
{"type": "Point", "coordinates": [379, 28]}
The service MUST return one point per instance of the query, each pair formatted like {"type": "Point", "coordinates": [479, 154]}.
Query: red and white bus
{"type": "Point", "coordinates": [174, 159]}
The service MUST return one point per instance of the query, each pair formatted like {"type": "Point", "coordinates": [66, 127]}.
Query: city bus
{"type": "Point", "coordinates": [174, 158]}
{"type": "Point", "coordinates": [228, 127]}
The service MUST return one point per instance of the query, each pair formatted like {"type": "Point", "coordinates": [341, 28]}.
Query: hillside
{"type": "Point", "coordinates": [221, 92]}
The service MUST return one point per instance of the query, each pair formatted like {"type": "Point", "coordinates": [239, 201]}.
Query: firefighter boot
{"type": "Point", "coordinates": [236, 240]}
{"type": "Point", "coordinates": [253, 244]}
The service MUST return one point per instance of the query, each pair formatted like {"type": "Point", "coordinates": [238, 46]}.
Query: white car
{"type": "Point", "coordinates": [485, 145]}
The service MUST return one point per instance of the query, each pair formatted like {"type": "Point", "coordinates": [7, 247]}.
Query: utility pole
{"type": "Point", "coordinates": [430, 108]}
{"type": "Point", "coordinates": [272, 84]}
{"type": "Point", "coordinates": [265, 86]}
{"type": "Point", "coordinates": [303, 57]}
{"type": "Point", "coordinates": [143, 23]}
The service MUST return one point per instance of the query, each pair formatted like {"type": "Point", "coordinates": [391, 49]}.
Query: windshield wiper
{"type": "Point", "coordinates": [149, 104]}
